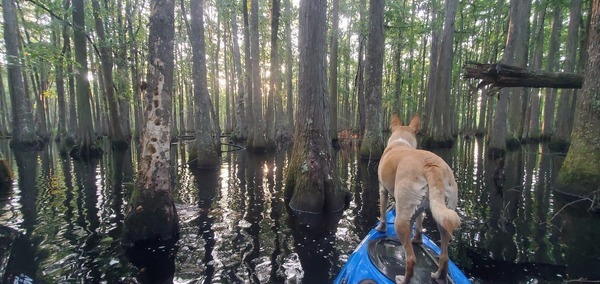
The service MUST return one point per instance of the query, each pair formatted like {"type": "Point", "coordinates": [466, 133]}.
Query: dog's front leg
{"type": "Point", "coordinates": [383, 203]}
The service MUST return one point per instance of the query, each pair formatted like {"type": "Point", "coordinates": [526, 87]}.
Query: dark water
{"type": "Point", "coordinates": [235, 227]}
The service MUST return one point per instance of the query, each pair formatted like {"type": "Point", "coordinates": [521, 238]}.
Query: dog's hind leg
{"type": "Point", "coordinates": [383, 203]}
{"type": "Point", "coordinates": [440, 276]}
{"type": "Point", "coordinates": [403, 229]}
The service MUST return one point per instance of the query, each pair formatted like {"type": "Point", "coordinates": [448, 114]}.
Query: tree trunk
{"type": "Point", "coordinates": [550, 94]}
{"type": "Point", "coordinates": [250, 111]}
{"type": "Point", "coordinates": [372, 144]}
{"type": "Point", "coordinates": [4, 120]}
{"type": "Point", "coordinates": [518, 96]}
{"type": "Point", "coordinates": [85, 147]}
{"type": "Point", "coordinates": [116, 134]}
{"type": "Point", "coordinates": [512, 55]}
{"type": "Point", "coordinates": [60, 89]}
{"type": "Point", "coordinates": [257, 141]}
{"type": "Point", "coordinates": [206, 156]}
{"type": "Point", "coordinates": [580, 174]}
{"type": "Point", "coordinates": [312, 183]}
{"type": "Point", "coordinates": [72, 125]}
{"type": "Point", "coordinates": [271, 121]}
{"type": "Point", "coordinates": [561, 139]}
{"type": "Point", "coordinates": [151, 215]}
{"type": "Point", "coordinates": [23, 134]}
{"type": "Point", "coordinates": [135, 74]}
{"type": "Point", "coordinates": [240, 133]}
{"type": "Point", "coordinates": [533, 133]}
{"type": "Point", "coordinates": [288, 66]}
{"type": "Point", "coordinates": [333, 73]}
{"type": "Point", "coordinates": [440, 117]}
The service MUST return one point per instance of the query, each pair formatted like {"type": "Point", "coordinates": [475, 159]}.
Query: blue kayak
{"type": "Point", "coordinates": [380, 257]}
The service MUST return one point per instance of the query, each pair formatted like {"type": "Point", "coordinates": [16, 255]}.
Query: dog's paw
{"type": "Point", "coordinates": [439, 280]}
{"type": "Point", "coordinates": [400, 279]}
{"type": "Point", "coordinates": [381, 227]}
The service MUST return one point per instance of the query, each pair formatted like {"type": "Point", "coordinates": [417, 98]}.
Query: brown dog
{"type": "Point", "coordinates": [418, 180]}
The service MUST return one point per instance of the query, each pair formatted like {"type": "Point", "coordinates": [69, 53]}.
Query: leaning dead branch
{"type": "Point", "coordinates": [502, 76]}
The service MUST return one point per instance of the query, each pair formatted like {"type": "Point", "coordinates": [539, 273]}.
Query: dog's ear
{"type": "Point", "coordinates": [395, 121]}
{"type": "Point", "coordinates": [415, 123]}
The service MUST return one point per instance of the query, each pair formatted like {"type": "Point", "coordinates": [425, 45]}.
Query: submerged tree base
{"type": "Point", "coordinates": [80, 152]}
{"type": "Point", "coordinates": [559, 146]}
{"type": "Point", "coordinates": [151, 218]}
{"type": "Point", "coordinates": [431, 143]}
{"type": "Point", "coordinates": [119, 145]}
{"type": "Point", "coordinates": [513, 144]}
{"type": "Point", "coordinates": [6, 176]}
{"type": "Point", "coordinates": [28, 145]}
{"type": "Point", "coordinates": [496, 153]}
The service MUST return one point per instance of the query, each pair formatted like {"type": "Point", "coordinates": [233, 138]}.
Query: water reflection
{"type": "Point", "coordinates": [235, 227]}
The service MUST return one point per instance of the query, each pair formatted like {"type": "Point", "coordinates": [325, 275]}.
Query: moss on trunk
{"type": "Point", "coordinates": [580, 172]}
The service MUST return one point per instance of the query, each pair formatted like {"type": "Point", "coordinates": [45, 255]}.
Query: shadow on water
{"type": "Point", "coordinates": [63, 219]}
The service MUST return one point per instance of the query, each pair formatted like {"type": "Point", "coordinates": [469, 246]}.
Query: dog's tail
{"type": "Point", "coordinates": [437, 197]}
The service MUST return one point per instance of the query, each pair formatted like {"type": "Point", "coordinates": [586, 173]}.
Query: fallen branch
{"type": "Point", "coordinates": [502, 76]}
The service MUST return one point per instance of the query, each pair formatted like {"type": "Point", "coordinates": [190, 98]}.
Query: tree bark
{"type": "Point", "coordinates": [4, 120]}
{"type": "Point", "coordinates": [271, 121]}
{"type": "Point", "coordinates": [23, 134]}
{"type": "Point", "coordinates": [372, 145]}
{"type": "Point", "coordinates": [533, 131]}
{"type": "Point", "coordinates": [440, 118]}
{"type": "Point", "coordinates": [580, 174]}
{"type": "Point", "coordinates": [333, 73]}
{"type": "Point", "coordinates": [85, 147]}
{"type": "Point", "coordinates": [288, 66]}
{"type": "Point", "coordinates": [206, 156]}
{"type": "Point", "coordinates": [550, 94]}
{"type": "Point", "coordinates": [561, 139]}
{"type": "Point", "coordinates": [312, 183]}
{"type": "Point", "coordinates": [116, 134]}
{"type": "Point", "coordinates": [250, 116]}
{"type": "Point", "coordinates": [240, 133]}
{"type": "Point", "coordinates": [258, 141]}
{"type": "Point", "coordinates": [151, 215]}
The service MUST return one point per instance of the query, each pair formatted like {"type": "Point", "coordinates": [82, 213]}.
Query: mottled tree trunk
{"type": "Point", "coordinates": [580, 173]}
{"type": "Point", "coordinates": [561, 139]}
{"type": "Point", "coordinates": [372, 144]}
{"type": "Point", "coordinates": [312, 183]}
{"type": "Point", "coordinates": [23, 134]}
{"type": "Point", "coordinates": [205, 155]}
{"type": "Point", "coordinates": [151, 215]}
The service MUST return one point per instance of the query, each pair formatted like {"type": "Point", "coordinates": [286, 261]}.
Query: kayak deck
{"type": "Point", "coordinates": [380, 257]}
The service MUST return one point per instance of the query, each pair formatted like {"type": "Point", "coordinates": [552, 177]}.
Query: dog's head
{"type": "Point", "coordinates": [402, 133]}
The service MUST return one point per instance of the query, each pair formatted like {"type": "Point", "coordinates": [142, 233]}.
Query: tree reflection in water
{"type": "Point", "coordinates": [235, 226]}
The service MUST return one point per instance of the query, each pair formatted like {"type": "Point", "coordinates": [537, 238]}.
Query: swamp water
{"type": "Point", "coordinates": [66, 219]}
